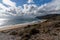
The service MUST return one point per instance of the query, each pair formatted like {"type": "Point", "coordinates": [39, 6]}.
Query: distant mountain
{"type": "Point", "coordinates": [48, 16]}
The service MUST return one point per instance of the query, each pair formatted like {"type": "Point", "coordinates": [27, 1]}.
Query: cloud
{"type": "Point", "coordinates": [54, 5]}
{"type": "Point", "coordinates": [2, 6]}
{"type": "Point", "coordinates": [9, 2]}
{"type": "Point", "coordinates": [30, 10]}
{"type": "Point", "coordinates": [30, 1]}
{"type": "Point", "coordinates": [4, 10]}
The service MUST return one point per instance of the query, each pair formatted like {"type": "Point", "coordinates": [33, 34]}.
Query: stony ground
{"type": "Point", "coordinates": [47, 30]}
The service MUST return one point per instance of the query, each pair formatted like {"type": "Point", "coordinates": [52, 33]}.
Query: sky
{"type": "Point", "coordinates": [37, 2]}
{"type": "Point", "coordinates": [21, 2]}
{"type": "Point", "coordinates": [28, 8]}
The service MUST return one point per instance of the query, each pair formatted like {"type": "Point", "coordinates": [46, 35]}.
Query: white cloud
{"type": "Point", "coordinates": [54, 5]}
{"type": "Point", "coordinates": [30, 10]}
{"type": "Point", "coordinates": [30, 1]}
{"type": "Point", "coordinates": [9, 2]}
{"type": "Point", "coordinates": [2, 6]}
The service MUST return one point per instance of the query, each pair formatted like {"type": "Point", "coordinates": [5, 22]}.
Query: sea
{"type": "Point", "coordinates": [6, 22]}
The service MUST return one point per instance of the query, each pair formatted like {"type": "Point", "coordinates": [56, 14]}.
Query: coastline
{"type": "Point", "coordinates": [8, 27]}
{"type": "Point", "coordinates": [39, 30]}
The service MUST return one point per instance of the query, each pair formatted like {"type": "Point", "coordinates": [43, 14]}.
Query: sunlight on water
{"type": "Point", "coordinates": [2, 21]}
{"type": "Point", "coordinates": [6, 21]}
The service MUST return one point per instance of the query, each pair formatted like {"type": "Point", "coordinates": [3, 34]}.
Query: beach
{"type": "Point", "coordinates": [20, 25]}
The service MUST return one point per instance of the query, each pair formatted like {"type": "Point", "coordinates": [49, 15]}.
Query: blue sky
{"type": "Point", "coordinates": [37, 2]}
{"type": "Point", "coordinates": [0, 1]}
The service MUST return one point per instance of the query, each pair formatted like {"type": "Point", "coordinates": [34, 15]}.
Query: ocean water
{"type": "Point", "coordinates": [6, 22]}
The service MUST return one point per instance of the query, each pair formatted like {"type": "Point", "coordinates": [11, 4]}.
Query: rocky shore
{"type": "Point", "coordinates": [47, 30]}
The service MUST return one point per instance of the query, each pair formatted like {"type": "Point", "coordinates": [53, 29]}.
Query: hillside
{"type": "Point", "coordinates": [48, 16]}
{"type": "Point", "coordinates": [47, 30]}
